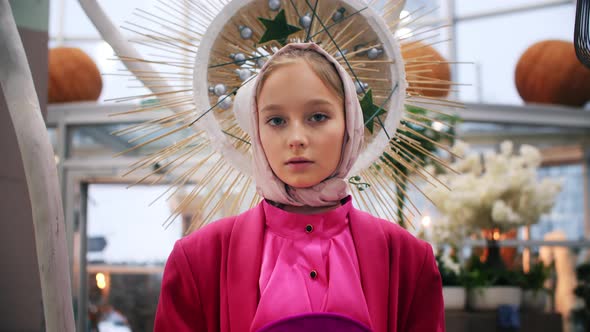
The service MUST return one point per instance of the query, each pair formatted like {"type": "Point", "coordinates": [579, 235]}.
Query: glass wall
{"type": "Point", "coordinates": [567, 215]}
{"type": "Point", "coordinates": [127, 250]}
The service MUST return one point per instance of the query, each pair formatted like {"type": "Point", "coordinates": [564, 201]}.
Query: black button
{"type": "Point", "coordinates": [313, 274]}
{"type": "Point", "coordinates": [309, 228]}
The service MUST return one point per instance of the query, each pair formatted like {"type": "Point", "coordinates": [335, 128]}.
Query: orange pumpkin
{"type": "Point", "coordinates": [549, 72]}
{"type": "Point", "coordinates": [73, 76]}
{"type": "Point", "coordinates": [417, 55]}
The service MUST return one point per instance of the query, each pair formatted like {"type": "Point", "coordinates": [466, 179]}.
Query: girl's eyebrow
{"type": "Point", "coordinates": [271, 107]}
{"type": "Point", "coordinates": [318, 101]}
{"type": "Point", "coordinates": [278, 107]}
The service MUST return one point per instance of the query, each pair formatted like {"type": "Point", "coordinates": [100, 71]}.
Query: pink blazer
{"type": "Point", "coordinates": [211, 278]}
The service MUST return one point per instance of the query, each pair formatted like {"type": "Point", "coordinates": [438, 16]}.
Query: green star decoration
{"type": "Point", "coordinates": [277, 29]}
{"type": "Point", "coordinates": [370, 110]}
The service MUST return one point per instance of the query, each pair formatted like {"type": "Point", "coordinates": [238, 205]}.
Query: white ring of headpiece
{"type": "Point", "coordinates": [242, 161]}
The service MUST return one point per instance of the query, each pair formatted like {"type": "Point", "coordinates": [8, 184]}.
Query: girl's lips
{"type": "Point", "coordinates": [298, 160]}
{"type": "Point", "coordinates": [299, 165]}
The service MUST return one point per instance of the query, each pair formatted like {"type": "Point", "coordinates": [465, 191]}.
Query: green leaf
{"type": "Point", "coordinates": [277, 29]}
{"type": "Point", "coordinates": [370, 110]}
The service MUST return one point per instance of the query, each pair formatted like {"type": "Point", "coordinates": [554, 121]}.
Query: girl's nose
{"type": "Point", "coordinates": [297, 137]}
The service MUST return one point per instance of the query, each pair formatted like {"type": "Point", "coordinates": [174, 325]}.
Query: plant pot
{"type": "Point", "coordinates": [534, 300]}
{"type": "Point", "coordinates": [490, 298]}
{"type": "Point", "coordinates": [454, 297]}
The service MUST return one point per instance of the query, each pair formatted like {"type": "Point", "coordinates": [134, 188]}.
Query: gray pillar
{"type": "Point", "coordinates": [20, 300]}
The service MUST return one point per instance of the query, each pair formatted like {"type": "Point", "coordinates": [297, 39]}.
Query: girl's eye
{"type": "Point", "coordinates": [275, 121]}
{"type": "Point", "coordinates": [318, 117]}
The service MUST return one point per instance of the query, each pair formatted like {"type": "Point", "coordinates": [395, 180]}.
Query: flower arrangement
{"type": "Point", "coordinates": [496, 190]}
{"type": "Point", "coordinates": [450, 269]}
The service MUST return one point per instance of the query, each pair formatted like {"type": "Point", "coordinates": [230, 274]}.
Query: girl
{"type": "Point", "coordinates": [304, 259]}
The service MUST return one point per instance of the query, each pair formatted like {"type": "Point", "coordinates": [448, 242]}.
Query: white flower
{"type": "Point", "coordinates": [450, 264]}
{"type": "Point", "coordinates": [496, 164]}
{"type": "Point", "coordinates": [459, 148]}
{"type": "Point", "coordinates": [500, 190]}
{"type": "Point", "coordinates": [471, 164]}
{"type": "Point", "coordinates": [501, 213]}
{"type": "Point", "coordinates": [531, 155]}
{"type": "Point", "coordinates": [506, 148]}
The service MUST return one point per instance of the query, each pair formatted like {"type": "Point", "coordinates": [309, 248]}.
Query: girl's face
{"type": "Point", "coordinates": [301, 124]}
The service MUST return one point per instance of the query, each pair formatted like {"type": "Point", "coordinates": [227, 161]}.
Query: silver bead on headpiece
{"type": "Point", "coordinates": [305, 21]}
{"type": "Point", "coordinates": [374, 53]}
{"type": "Point", "coordinates": [340, 53]}
{"type": "Point", "coordinates": [339, 14]}
{"type": "Point", "coordinates": [239, 58]}
{"type": "Point", "coordinates": [245, 32]}
{"type": "Point", "coordinates": [274, 5]}
{"type": "Point", "coordinates": [244, 73]}
{"type": "Point", "coordinates": [224, 101]}
{"type": "Point", "coordinates": [361, 87]}
{"type": "Point", "coordinates": [219, 89]}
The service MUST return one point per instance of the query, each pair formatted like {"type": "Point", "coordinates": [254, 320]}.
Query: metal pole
{"type": "Point", "coordinates": [452, 21]}
{"type": "Point", "coordinates": [586, 177]}
{"type": "Point", "coordinates": [83, 274]}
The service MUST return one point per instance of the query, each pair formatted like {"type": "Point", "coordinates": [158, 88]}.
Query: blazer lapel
{"type": "Point", "coordinates": [373, 254]}
{"type": "Point", "coordinates": [243, 268]}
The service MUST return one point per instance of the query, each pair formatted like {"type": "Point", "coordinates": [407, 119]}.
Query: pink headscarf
{"type": "Point", "coordinates": [331, 190]}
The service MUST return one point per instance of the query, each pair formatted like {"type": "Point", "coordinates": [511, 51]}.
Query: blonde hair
{"type": "Point", "coordinates": [321, 66]}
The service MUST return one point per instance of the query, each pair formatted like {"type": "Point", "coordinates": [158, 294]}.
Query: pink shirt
{"type": "Point", "coordinates": [309, 264]}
